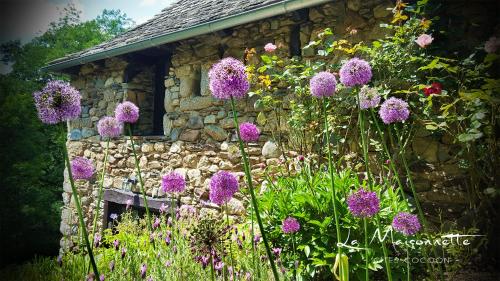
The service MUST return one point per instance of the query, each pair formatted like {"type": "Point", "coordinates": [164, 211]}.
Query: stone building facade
{"type": "Point", "coordinates": [183, 128]}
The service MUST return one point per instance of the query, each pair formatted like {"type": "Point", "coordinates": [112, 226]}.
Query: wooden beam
{"type": "Point", "coordinates": [121, 197]}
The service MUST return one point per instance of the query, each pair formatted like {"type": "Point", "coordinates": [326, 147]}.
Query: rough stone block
{"type": "Point", "coordinates": [196, 103]}
{"type": "Point", "coordinates": [216, 132]}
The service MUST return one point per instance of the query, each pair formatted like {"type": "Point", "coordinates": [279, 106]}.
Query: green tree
{"type": "Point", "coordinates": [31, 168]}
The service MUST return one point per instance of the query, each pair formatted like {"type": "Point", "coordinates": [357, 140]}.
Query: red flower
{"type": "Point", "coordinates": [434, 89]}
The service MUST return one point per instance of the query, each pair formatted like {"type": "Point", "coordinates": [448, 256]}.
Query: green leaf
{"type": "Point", "coordinates": [261, 119]}
{"type": "Point", "coordinates": [266, 59]}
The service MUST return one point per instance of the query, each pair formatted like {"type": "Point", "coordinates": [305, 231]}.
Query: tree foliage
{"type": "Point", "coordinates": [31, 170]}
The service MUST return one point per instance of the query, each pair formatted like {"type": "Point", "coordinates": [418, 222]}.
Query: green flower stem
{"type": "Point", "coordinates": [295, 256]}
{"type": "Point", "coordinates": [172, 218]}
{"type": "Point", "coordinates": [408, 274]}
{"type": "Point", "coordinates": [150, 226]}
{"type": "Point", "coordinates": [367, 274]}
{"type": "Point", "coordinates": [410, 180]}
{"type": "Point", "coordinates": [79, 211]}
{"type": "Point", "coordinates": [252, 236]}
{"type": "Point", "coordinates": [230, 242]}
{"type": "Point", "coordinates": [101, 185]}
{"type": "Point", "coordinates": [417, 203]}
{"type": "Point", "coordinates": [252, 193]}
{"type": "Point", "coordinates": [332, 180]}
{"type": "Point", "coordinates": [212, 274]}
{"type": "Point", "coordinates": [389, 157]}
{"type": "Point", "coordinates": [364, 144]}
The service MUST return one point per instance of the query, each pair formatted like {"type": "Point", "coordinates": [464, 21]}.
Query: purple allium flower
{"type": "Point", "coordinates": [113, 216]}
{"type": "Point", "coordinates": [256, 238]}
{"type": "Point", "coordinates": [163, 208]}
{"type": "Point", "coordinates": [127, 112]}
{"type": "Point", "coordinates": [102, 278]}
{"type": "Point", "coordinates": [97, 240]}
{"type": "Point", "coordinates": [355, 72]}
{"type": "Point", "coordinates": [109, 127]}
{"type": "Point", "coordinates": [186, 211]}
{"type": "Point", "coordinates": [323, 84]}
{"type": "Point", "coordinates": [124, 251]}
{"type": "Point", "coordinates": [112, 265]}
{"type": "Point", "coordinates": [168, 263]}
{"type": "Point", "coordinates": [301, 158]}
{"type": "Point", "coordinates": [156, 224]}
{"type": "Point", "coordinates": [219, 266]}
{"type": "Point", "coordinates": [150, 278]}
{"type": "Point", "coordinates": [394, 110]}
{"type": "Point", "coordinates": [249, 132]}
{"type": "Point", "coordinates": [173, 182]}
{"type": "Point", "coordinates": [59, 260]}
{"type": "Point", "coordinates": [492, 45]}
{"type": "Point", "coordinates": [128, 203]}
{"type": "Point", "coordinates": [248, 276]}
{"type": "Point", "coordinates": [144, 267]}
{"type": "Point", "coordinates": [223, 185]}
{"type": "Point", "coordinates": [82, 168]}
{"type": "Point", "coordinates": [277, 251]}
{"type": "Point", "coordinates": [406, 223]}
{"type": "Point", "coordinates": [363, 204]}
{"type": "Point", "coordinates": [91, 276]}
{"type": "Point", "coordinates": [290, 225]}
{"type": "Point", "coordinates": [368, 97]}
{"type": "Point", "coordinates": [228, 79]}
{"type": "Point", "coordinates": [204, 261]}
{"type": "Point", "coordinates": [58, 101]}
{"type": "Point", "coordinates": [270, 47]}
{"type": "Point", "coordinates": [169, 221]}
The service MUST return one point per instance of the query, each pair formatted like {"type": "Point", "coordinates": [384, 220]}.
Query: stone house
{"type": "Point", "coordinates": [162, 66]}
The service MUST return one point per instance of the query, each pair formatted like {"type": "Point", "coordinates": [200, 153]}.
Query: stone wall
{"type": "Point", "coordinates": [199, 136]}
{"type": "Point", "coordinates": [197, 162]}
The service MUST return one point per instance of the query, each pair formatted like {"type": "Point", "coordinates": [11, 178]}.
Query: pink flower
{"type": "Point", "coordinates": [424, 40]}
{"type": "Point", "coordinates": [492, 45]}
{"type": "Point", "coordinates": [270, 47]}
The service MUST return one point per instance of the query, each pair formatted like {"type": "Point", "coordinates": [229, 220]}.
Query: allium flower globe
{"type": "Point", "coordinates": [109, 127]}
{"type": "Point", "coordinates": [127, 112]}
{"type": "Point", "coordinates": [223, 185]}
{"type": "Point", "coordinates": [270, 47]}
{"type": "Point", "coordinates": [58, 101]}
{"type": "Point", "coordinates": [424, 40]}
{"type": "Point", "coordinates": [363, 204]}
{"type": "Point", "coordinates": [355, 72]}
{"type": "Point", "coordinates": [394, 110]}
{"type": "Point", "coordinates": [323, 84]}
{"type": "Point", "coordinates": [406, 223]}
{"type": "Point", "coordinates": [228, 79]}
{"type": "Point", "coordinates": [249, 132]}
{"type": "Point", "coordinates": [290, 225]}
{"type": "Point", "coordinates": [492, 45]}
{"type": "Point", "coordinates": [173, 182]}
{"type": "Point", "coordinates": [368, 97]}
{"type": "Point", "coordinates": [82, 168]}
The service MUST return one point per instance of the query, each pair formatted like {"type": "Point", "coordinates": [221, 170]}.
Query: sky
{"type": "Point", "coordinates": [24, 19]}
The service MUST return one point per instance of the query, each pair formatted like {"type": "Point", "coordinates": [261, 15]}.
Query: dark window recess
{"type": "Point", "coordinates": [295, 45]}
{"type": "Point", "coordinates": [161, 70]}
{"type": "Point", "coordinates": [197, 81]}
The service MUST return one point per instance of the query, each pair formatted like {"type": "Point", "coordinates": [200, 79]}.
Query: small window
{"type": "Point", "coordinates": [295, 44]}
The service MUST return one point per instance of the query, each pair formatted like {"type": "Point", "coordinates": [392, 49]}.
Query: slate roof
{"type": "Point", "coordinates": [179, 16]}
